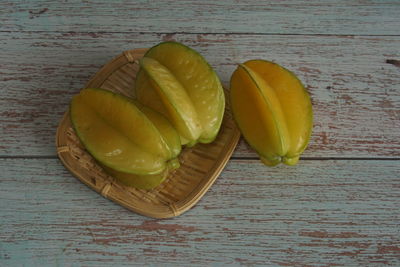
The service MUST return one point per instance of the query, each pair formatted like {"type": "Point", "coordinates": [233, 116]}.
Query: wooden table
{"type": "Point", "coordinates": [339, 207]}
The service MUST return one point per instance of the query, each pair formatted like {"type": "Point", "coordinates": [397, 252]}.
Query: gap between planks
{"type": "Point", "coordinates": [232, 158]}
{"type": "Point", "coordinates": [208, 33]}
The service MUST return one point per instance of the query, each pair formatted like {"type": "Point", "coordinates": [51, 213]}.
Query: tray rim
{"type": "Point", "coordinates": [172, 209]}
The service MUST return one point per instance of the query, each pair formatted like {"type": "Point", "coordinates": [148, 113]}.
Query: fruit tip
{"type": "Point", "coordinates": [174, 164]}
{"type": "Point", "coordinates": [270, 162]}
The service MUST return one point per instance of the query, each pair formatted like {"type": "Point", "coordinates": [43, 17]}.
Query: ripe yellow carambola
{"type": "Point", "coordinates": [272, 109]}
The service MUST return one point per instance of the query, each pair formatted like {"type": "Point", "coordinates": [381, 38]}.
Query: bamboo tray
{"type": "Point", "coordinates": [200, 165]}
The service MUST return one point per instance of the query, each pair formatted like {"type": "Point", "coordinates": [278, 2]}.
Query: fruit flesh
{"type": "Point", "coordinates": [200, 82]}
{"type": "Point", "coordinates": [176, 104]}
{"type": "Point", "coordinates": [273, 111]}
{"type": "Point", "coordinates": [295, 102]}
{"type": "Point", "coordinates": [107, 124]}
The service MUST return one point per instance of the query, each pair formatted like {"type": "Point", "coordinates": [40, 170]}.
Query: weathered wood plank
{"type": "Point", "coordinates": [228, 16]}
{"type": "Point", "coordinates": [355, 93]}
{"type": "Point", "coordinates": [325, 213]}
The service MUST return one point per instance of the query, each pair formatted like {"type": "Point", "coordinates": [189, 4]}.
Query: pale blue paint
{"type": "Point", "coordinates": [228, 16]}
{"type": "Point", "coordinates": [354, 118]}
{"type": "Point", "coordinates": [320, 212]}
{"type": "Point", "coordinates": [255, 214]}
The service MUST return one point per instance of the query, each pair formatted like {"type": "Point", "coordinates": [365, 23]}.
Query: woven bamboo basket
{"type": "Point", "coordinates": [200, 165]}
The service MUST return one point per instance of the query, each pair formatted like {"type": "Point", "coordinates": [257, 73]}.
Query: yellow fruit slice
{"type": "Point", "coordinates": [199, 80]}
{"type": "Point", "coordinates": [117, 133]}
{"type": "Point", "coordinates": [258, 113]}
{"type": "Point", "coordinates": [295, 102]}
{"type": "Point", "coordinates": [176, 104]}
{"type": "Point", "coordinates": [272, 110]}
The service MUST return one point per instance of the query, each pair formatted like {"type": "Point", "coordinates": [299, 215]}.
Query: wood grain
{"type": "Point", "coordinates": [355, 93]}
{"type": "Point", "coordinates": [228, 16]}
{"type": "Point", "coordinates": [320, 213]}
{"type": "Point", "coordinates": [323, 212]}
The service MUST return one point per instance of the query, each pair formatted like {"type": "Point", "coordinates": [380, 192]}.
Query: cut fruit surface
{"type": "Point", "coordinates": [272, 110]}
{"type": "Point", "coordinates": [176, 104]}
{"type": "Point", "coordinates": [117, 133]}
{"type": "Point", "coordinates": [199, 80]}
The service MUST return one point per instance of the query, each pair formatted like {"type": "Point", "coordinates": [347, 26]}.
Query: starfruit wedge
{"type": "Point", "coordinates": [117, 134]}
{"type": "Point", "coordinates": [176, 103]}
{"type": "Point", "coordinates": [273, 111]}
{"type": "Point", "coordinates": [170, 136]}
{"type": "Point", "coordinates": [199, 80]}
{"type": "Point", "coordinates": [167, 131]}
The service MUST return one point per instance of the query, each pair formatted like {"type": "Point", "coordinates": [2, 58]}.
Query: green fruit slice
{"type": "Point", "coordinates": [149, 97]}
{"type": "Point", "coordinates": [171, 137]}
{"type": "Point", "coordinates": [176, 104]}
{"type": "Point", "coordinates": [165, 128]}
{"type": "Point", "coordinates": [117, 133]}
{"type": "Point", "coordinates": [199, 80]}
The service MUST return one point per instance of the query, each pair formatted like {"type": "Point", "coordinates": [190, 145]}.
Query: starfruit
{"type": "Point", "coordinates": [177, 68]}
{"type": "Point", "coordinates": [117, 134]}
{"type": "Point", "coordinates": [272, 109]}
